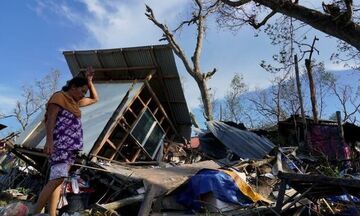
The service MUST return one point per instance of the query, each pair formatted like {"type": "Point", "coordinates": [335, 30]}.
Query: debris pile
{"type": "Point", "coordinates": [270, 180]}
{"type": "Point", "coordinates": [139, 157]}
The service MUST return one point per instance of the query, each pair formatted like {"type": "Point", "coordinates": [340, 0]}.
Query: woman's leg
{"type": "Point", "coordinates": [50, 192]}
{"type": "Point", "coordinates": [54, 198]}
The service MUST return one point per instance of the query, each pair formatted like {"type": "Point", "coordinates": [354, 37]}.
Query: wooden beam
{"type": "Point", "coordinates": [136, 155]}
{"type": "Point", "coordinates": [148, 200]}
{"type": "Point", "coordinates": [323, 180]}
{"type": "Point", "coordinates": [297, 199]}
{"type": "Point", "coordinates": [160, 106]}
{"type": "Point", "coordinates": [280, 198]}
{"type": "Point", "coordinates": [111, 144]}
{"type": "Point", "coordinates": [121, 203]}
{"type": "Point", "coordinates": [132, 112]}
{"type": "Point", "coordinates": [121, 69]}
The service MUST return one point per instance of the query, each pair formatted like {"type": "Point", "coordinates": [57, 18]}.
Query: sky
{"type": "Point", "coordinates": [35, 33]}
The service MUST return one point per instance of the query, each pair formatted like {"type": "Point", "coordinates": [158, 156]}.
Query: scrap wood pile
{"type": "Point", "coordinates": [228, 172]}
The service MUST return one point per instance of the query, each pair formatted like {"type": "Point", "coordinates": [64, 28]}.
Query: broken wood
{"type": "Point", "coordinates": [148, 201]}
{"type": "Point", "coordinates": [121, 203]}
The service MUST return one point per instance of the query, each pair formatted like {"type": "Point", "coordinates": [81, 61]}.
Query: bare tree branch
{"type": "Point", "coordinates": [258, 25]}
{"type": "Point", "coordinates": [349, 9]}
{"type": "Point", "coordinates": [199, 17]}
{"type": "Point", "coordinates": [3, 116]}
{"type": "Point", "coordinates": [170, 38]}
{"type": "Point", "coordinates": [343, 28]}
{"type": "Point", "coordinates": [236, 3]}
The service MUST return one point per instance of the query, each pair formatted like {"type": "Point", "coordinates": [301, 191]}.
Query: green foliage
{"type": "Point", "coordinates": [326, 168]}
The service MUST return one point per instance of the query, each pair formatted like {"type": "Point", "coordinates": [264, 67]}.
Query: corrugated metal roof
{"type": "Point", "coordinates": [94, 118]}
{"type": "Point", "coordinates": [243, 143]}
{"type": "Point", "coordinates": [137, 63]}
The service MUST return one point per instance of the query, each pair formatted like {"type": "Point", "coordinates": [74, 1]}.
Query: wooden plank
{"type": "Point", "coordinates": [136, 155]}
{"type": "Point", "coordinates": [111, 144]}
{"type": "Point", "coordinates": [161, 120]}
{"type": "Point", "coordinates": [298, 198]}
{"type": "Point", "coordinates": [132, 112]}
{"type": "Point", "coordinates": [141, 101]}
{"type": "Point", "coordinates": [123, 120]}
{"type": "Point", "coordinates": [156, 110]}
{"type": "Point", "coordinates": [148, 200]}
{"type": "Point", "coordinates": [123, 202]}
{"type": "Point", "coordinates": [323, 180]}
{"type": "Point", "coordinates": [280, 198]}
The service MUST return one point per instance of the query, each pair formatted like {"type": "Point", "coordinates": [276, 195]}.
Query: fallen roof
{"type": "Point", "coordinates": [243, 143]}
{"type": "Point", "coordinates": [138, 63]}
{"type": "Point", "coordinates": [166, 178]}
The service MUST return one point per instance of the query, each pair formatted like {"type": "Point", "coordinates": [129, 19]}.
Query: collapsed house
{"type": "Point", "coordinates": [141, 110]}
{"type": "Point", "coordinates": [326, 138]}
{"type": "Point", "coordinates": [141, 105]}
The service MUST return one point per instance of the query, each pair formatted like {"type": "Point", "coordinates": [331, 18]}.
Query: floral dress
{"type": "Point", "coordinates": [68, 141]}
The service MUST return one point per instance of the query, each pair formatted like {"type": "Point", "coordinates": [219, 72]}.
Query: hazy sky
{"type": "Point", "coordinates": [35, 32]}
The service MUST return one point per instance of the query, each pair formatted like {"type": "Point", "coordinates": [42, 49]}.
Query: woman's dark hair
{"type": "Point", "coordinates": [75, 82]}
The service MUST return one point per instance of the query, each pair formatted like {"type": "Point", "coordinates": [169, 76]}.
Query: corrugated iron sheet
{"type": "Point", "coordinates": [166, 82]}
{"type": "Point", "coordinates": [245, 144]}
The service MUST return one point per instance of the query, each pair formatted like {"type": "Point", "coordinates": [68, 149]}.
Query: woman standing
{"type": "Point", "coordinates": [64, 135]}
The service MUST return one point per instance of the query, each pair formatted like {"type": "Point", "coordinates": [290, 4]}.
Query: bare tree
{"type": "Point", "coordinates": [233, 101]}
{"type": "Point", "coordinates": [34, 98]}
{"type": "Point", "coordinates": [349, 101]}
{"type": "Point", "coordinates": [199, 16]}
{"type": "Point", "coordinates": [268, 103]}
{"type": "Point", "coordinates": [309, 68]}
{"type": "Point", "coordinates": [323, 81]}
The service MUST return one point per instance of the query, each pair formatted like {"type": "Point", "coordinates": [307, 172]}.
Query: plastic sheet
{"type": "Point", "coordinates": [220, 184]}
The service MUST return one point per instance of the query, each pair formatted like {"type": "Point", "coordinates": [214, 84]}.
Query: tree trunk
{"type": "Point", "coordinates": [347, 30]}
{"type": "Point", "coordinates": [298, 85]}
{"type": "Point", "coordinates": [312, 90]}
{"type": "Point", "coordinates": [206, 99]}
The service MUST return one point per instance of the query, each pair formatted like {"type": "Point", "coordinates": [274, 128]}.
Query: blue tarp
{"type": "Point", "coordinates": [344, 198]}
{"type": "Point", "coordinates": [219, 183]}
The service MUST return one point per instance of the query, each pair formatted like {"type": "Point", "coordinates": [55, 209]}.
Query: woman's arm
{"type": "Point", "coordinates": [93, 93]}
{"type": "Point", "coordinates": [51, 114]}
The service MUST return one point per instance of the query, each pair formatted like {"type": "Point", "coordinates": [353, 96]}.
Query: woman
{"type": "Point", "coordinates": [64, 135]}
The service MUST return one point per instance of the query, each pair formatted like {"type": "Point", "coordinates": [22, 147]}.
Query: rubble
{"type": "Point", "coordinates": [139, 159]}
